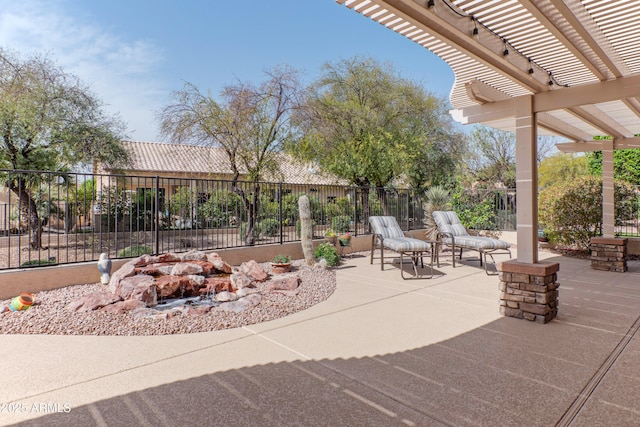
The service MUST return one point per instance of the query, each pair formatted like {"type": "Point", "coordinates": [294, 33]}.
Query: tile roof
{"type": "Point", "coordinates": [178, 159]}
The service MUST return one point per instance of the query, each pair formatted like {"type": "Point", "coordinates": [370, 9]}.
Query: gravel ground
{"type": "Point", "coordinates": [49, 316]}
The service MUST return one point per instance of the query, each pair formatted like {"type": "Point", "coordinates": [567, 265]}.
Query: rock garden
{"type": "Point", "coordinates": [173, 293]}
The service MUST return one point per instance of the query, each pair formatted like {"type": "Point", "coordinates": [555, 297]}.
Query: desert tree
{"type": "Point", "coordinates": [49, 121]}
{"type": "Point", "coordinates": [366, 124]}
{"type": "Point", "coordinates": [250, 123]}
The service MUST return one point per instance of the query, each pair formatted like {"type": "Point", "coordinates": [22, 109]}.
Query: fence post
{"type": "Point", "coordinates": [355, 211]}
{"type": "Point", "coordinates": [157, 215]}
{"type": "Point", "coordinates": [280, 219]}
{"type": "Point", "coordinates": [408, 207]}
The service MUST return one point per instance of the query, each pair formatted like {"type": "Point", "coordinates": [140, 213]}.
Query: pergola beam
{"type": "Point", "coordinates": [565, 98]}
{"type": "Point", "coordinates": [587, 146]}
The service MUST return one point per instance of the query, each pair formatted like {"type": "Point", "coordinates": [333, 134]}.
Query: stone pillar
{"type": "Point", "coordinates": [529, 291]}
{"type": "Point", "coordinates": [609, 254]}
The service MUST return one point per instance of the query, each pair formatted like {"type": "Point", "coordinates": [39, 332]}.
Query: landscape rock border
{"type": "Point", "coordinates": [50, 316]}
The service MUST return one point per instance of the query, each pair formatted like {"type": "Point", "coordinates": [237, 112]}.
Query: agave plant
{"type": "Point", "coordinates": [438, 199]}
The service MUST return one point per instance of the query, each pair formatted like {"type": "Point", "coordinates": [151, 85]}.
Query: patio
{"type": "Point", "coordinates": [380, 351]}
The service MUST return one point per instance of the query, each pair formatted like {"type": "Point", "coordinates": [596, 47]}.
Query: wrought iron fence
{"type": "Point", "coordinates": [59, 218]}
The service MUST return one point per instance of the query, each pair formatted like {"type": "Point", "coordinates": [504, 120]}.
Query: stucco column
{"type": "Point", "coordinates": [526, 181]}
{"type": "Point", "coordinates": [608, 194]}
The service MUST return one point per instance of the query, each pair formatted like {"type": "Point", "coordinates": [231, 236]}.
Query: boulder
{"type": "Point", "coordinates": [242, 304]}
{"type": "Point", "coordinates": [288, 283]}
{"type": "Point", "coordinates": [169, 257]}
{"type": "Point", "coordinates": [168, 286]}
{"type": "Point", "coordinates": [246, 291]}
{"type": "Point", "coordinates": [219, 264]}
{"type": "Point", "coordinates": [195, 283]}
{"type": "Point", "coordinates": [253, 270]}
{"type": "Point", "coordinates": [122, 307]}
{"type": "Point", "coordinates": [186, 268]}
{"type": "Point", "coordinates": [155, 269]}
{"type": "Point", "coordinates": [241, 280]}
{"type": "Point", "coordinates": [218, 284]}
{"type": "Point", "coordinates": [149, 313]}
{"type": "Point", "coordinates": [140, 287]}
{"type": "Point", "coordinates": [127, 270]}
{"type": "Point", "coordinates": [93, 301]}
{"type": "Point", "coordinates": [143, 260]}
{"type": "Point", "coordinates": [194, 256]}
{"type": "Point", "coordinates": [226, 296]}
{"type": "Point", "coordinates": [207, 267]}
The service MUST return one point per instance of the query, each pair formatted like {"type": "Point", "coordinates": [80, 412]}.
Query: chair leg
{"type": "Point", "coordinates": [373, 247]}
{"type": "Point", "coordinates": [381, 257]}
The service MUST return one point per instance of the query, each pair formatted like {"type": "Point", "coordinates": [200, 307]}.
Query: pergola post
{"type": "Point", "coordinates": [608, 252]}
{"type": "Point", "coordinates": [608, 196]}
{"type": "Point", "coordinates": [526, 181]}
{"type": "Point", "coordinates": [528, 289]}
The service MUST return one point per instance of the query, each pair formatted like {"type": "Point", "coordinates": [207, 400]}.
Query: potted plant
{"type": "Point", "coordinates": [345, 239]}
{"type": "Point", "coordinates": [281, 264]}
{"type": "Point", "coordinates": [330, 236]}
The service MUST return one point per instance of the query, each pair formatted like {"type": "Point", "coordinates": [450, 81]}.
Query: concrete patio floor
{"type": "Point", "coordinates": [381, 351]}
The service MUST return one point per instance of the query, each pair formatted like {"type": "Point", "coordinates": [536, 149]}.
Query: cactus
{"type": "Point", "coordinates": [306, 229]}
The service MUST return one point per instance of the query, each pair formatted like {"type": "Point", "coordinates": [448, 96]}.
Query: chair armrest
{"type": "Point", "coordinates": [446, 234]}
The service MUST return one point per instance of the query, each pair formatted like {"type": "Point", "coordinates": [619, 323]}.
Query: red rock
{"type": "Point", "coordinates": [127, 270]}
{"type": "Point", "coordinates": [169, 257]}
{"type": "Point", "coordinates": [253, 269]}
{"type": "Point", "coordinates": [218, 284]}
{"type": "Point", "coordinates": [241, 280]}
{"type": "Point", "coordinates": [186, 268]}
{"type": "Point", "coordinates": [194, 256]}
{"type": "Point", "coordinates": [93, 301]}
{"type": "Point", "coordinates": [122, 307]}
{"type": "Point", "coordinates": [155, 269]}
{"type": "Point", "coordinates": [141, 287]}
{"type": "Point", "coordinates": [143, 260]}
{"type": "Point", "coordinates": [207, 267]}
{"type": "Point", "coordinates": [199, 311]}
{"type": "Point", "coordinates": [242, 304]}
{"type": "Point", "coordinates": [219, 264]}
{"type": "Point", "coordinates": [171, 285]}
{"type": "Point", "coordinates": [287, 283]}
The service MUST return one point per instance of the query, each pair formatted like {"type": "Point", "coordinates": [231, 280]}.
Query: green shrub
{"type": "Point", "coordinates": [39, 263]}
{"type": "Point", "coordinates": [328, 252]}
{"type": "Point", "coordinates": [341, 223]}
{"type": "Point", "coordinates": [269, 227]}
{"type": "Point", "coordinates": [571, 213]}
{"type": "Point", "coordinates": [475, 210]}
{"type": "Point", "coordinates": [132, 251]}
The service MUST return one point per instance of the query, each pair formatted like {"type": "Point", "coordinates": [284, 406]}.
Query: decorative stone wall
{"type": "Point", "coordinates": [529, 291]}
{"type": "Point", "coordinates": [609, 254]}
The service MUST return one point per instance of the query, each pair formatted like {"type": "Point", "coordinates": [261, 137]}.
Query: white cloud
{"type": "Point", "coordinates": [121, 72]}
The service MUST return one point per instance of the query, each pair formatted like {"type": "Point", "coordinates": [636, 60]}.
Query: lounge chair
{"type": "Point", "coordinates": [387, 234]}
{"type": "Point", "coordinates": [453, 234]}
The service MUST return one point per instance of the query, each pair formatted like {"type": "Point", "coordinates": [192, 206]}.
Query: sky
{"type": "Point", "coordinates": [134, 53]}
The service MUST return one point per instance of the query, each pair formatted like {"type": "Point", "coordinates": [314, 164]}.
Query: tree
{"type": "Point", "coordinates": [365, 124]}
{"type": "Point", "coordinates": [249, 123]}
{"type": "Point", "coordinates": [492, 156]}
{"type": "Point", "coordinates": [49, 121]}
{"type": "Point", "coordinates": [626, 164]}
{"type": "Point", "coordinates": [560, 168]}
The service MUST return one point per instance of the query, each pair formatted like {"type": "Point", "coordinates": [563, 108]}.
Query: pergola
{"type": "Point", "coordinates": [558, 67]}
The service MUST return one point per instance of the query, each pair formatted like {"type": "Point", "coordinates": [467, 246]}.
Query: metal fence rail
{"type": "Point", "coordinates": [59, 218]}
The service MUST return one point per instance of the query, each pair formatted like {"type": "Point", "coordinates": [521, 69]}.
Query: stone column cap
{"type": "Point", "coordinates": [609, 240]}
{"type": "Point", "coordinates": [542, 268]}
